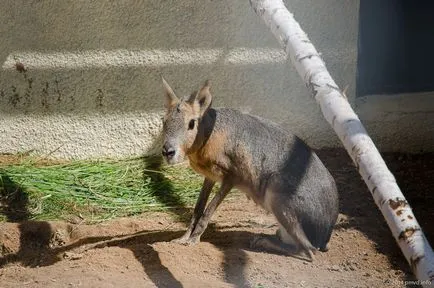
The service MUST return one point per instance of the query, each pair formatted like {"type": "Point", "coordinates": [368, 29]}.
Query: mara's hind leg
{"type": "Point", "coordinates": [272, 243]}
{"type": "Point", "coordinates": [290, 232]}
{"type": "Point", "coordinates": [297, 241]}
{"type": "Point", "coordinates": [281, 243]}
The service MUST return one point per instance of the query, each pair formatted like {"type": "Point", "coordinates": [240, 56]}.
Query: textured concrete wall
{"type": "Point", "coordinates": [89, 81]}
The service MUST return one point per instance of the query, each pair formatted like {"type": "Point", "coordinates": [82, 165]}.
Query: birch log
{"type": "Point", "coordinates": [345, 122]}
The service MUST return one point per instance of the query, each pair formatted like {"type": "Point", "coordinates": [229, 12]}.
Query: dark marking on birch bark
{"type": "Point", "coordinates": [395, 204]}
{"type": "Point", "coordinates": [414, 261]}
{"type": "Point", "coordinates": [407, 233]}
{"type": "Point", "coordinates": [373, 190]}
{"type": "Point", "coordinates": [356, 162]}
{"type": "Point", "coordinates": [333, 87]}
{"type": "Point", "coordinates": [354, 147]}
{"type": "Point", "coordinates": [311, 85]}
{"type": "Point", "coordinates": [306, 56]}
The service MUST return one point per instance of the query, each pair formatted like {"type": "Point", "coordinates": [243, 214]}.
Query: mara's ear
{"type": "Point", "coordinates": [171, 98]}
{"type": "Point", "coordinates": [203, 99]}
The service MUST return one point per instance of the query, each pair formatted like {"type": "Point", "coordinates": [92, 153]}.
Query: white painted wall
{"type": "Point", "coordinates": [92, 86]}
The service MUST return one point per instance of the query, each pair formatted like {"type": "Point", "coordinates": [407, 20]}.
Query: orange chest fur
{"type": "Point", "coordinates": [206, 163]}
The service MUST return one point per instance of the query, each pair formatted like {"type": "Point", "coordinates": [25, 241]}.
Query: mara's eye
{"type": "Point", "coordinates": [191, 125]}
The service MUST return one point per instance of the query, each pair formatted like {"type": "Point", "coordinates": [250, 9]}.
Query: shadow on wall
{"type": "Point", "coordinates": [129, 85]}
{"type": "Point", "coordinates": [34, 25]}
{"type": "Point", "coordinates": [108, 56]}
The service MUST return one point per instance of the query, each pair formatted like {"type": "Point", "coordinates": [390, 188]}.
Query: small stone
{"type": "Point", "coordinates": [72, 256]}
{"type": "Point", "coordinates": [334, 268]}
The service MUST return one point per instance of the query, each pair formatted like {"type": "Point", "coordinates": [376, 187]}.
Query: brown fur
{"type": "Point", "coordinates": [208, 160]}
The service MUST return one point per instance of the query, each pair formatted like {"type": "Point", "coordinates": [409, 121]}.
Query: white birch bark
{"type": "Point", "coordinates": [345, 122]}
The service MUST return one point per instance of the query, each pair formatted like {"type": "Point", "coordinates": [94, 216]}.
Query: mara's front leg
{"type": "Point", "coordinates": [203, 221]}
{"type": "Point", "coordinates": [195, 231]}
{"type": "Point", "coordinates": [198, 210]}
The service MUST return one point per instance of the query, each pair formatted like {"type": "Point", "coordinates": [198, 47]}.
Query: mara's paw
{"type": "Point", "coordinates": [257, 242]}
{"type": "Point", "coordinates": [186, 241]}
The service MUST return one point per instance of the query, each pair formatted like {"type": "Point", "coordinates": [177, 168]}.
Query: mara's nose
{"type": "Point", "coordinates": [168, 151]}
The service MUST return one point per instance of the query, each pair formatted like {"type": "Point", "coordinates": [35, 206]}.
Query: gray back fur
{"type": "Point", "coordinates": [261, 156]}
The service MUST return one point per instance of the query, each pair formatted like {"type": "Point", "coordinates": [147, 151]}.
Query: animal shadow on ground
{"type": "Point", "coordinates": [34, 235]}
{"type": "Point", "coordinates": [162, 188]}
{"type": "Point", "coordinates": [234, 257]}
{"type": "Point", "coordinates": [35, 250]}
{"type": "Point", "coordinates": [13, 200]}
{"type": "Point", "coordinates": [38, 240]}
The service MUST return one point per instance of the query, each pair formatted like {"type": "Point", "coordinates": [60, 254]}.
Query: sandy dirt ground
{"type": "Point", "coordinates": [137, 252]}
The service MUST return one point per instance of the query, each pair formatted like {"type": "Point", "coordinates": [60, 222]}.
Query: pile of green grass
{"type": "Point", "coordinates": [94, 190]}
